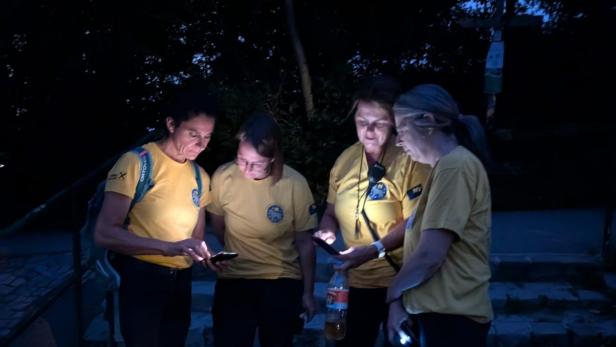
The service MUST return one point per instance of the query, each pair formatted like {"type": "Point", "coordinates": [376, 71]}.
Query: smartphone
{"type": "Point", "coordinates": [220, 256]}
{"type": "Point", "coordinates": [321, 243]}
{"type": "Point", "coordinates": [406, 337]}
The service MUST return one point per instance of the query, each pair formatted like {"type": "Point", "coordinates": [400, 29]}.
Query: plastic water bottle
{"type": "Point", "coordinates": [337, 304]}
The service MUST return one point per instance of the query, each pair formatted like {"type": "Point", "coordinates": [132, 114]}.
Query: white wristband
{"type": "Point", "coordinates": [380, 249]}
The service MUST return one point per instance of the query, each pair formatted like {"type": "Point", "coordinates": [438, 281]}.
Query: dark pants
{"type": "Point", "coordinates": [366, 315]}
{"type": "Point", "coordinates": [445, 330]}
{"type": "Point", "coordinates": [154, 303]}
{"type": "Point", "coordinates": [243, 305]}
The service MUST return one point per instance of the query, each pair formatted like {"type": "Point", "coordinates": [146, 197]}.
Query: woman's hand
{"type": "Point", "coordinates": [326, 235]}
{"type": "Point", "coordinates": [397, 315]}
{"type": "Point", "coordinates": [195, 248]}
{"type": "Point", "coordinates": [309, 306]}
{"type": "Point", "coordinates": [354, 257]}
{"type": "Point", "coordinates": [216, 266]}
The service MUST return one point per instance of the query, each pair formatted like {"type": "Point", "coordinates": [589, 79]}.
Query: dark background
{"type": "Point", "coordinates": [84, 80]}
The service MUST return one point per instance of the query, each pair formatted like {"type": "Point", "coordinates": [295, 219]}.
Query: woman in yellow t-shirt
{"type": "Point", "coordinates": [156, 240]}
{"type": "Point", "coordinates": [443, 283]}
{"type": "Point", "coordinates": [264, 211]}
{"type": "Point", "coordinates": [373, 255]}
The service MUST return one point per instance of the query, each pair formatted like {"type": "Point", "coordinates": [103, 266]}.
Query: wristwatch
{"type": "Point", "coordinates": [379, 248]}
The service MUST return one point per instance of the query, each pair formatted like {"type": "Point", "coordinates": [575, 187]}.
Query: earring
{"type": "Point", "coordinates": [430, 131]}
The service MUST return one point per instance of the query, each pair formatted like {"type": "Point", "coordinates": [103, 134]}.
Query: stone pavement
{"type": "Point", "coordinates": [33, 266]}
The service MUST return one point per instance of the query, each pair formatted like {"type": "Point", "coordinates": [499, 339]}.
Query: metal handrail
{"type": "Point", "coordinates": [16, 226]}
{"type": "Point", "coordinates": [77, 268]}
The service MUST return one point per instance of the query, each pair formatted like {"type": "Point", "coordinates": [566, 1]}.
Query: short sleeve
{"type": "Point", "coordinates": [450, 201]}
{"type": "Point", "coordinates": [413, 182]}
{"type": "Point", "coordinates": [304, 208]}
{"type": "Point", "coordinates": [332, 191]}
{"type": "Point", "coordinates": [206, 196]}
{"type": "Point", "coordinates": [124, 175]}
{"type": "Point", "coordinates": [214, 206]}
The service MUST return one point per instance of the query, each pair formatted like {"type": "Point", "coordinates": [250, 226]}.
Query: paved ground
{"type": "Point", "coordinates": [33, 265]}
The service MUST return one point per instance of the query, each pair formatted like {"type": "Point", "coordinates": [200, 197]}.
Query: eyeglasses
{"type": "Point", "coordinates": [406, 123]}
{"type": "Point", "coordinates": [252, 166]}
{"type": "Point", "coordinates": [378, 125]}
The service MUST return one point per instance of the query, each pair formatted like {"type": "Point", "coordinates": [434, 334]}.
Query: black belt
{"type": "Point", "coordinates": [121, 260]}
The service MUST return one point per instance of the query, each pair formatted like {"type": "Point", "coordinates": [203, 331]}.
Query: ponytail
{"type": "Point", "coordinates": [470, 133]}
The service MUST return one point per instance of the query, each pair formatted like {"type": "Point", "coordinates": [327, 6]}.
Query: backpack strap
{"type": "Point", "coordinates": [198, 178]}
{"type": "Point", "coordinates": [145, 174]}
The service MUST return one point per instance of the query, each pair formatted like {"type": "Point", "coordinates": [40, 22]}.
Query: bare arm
{"type": "Point", "coordinates": [305, 248]}
{"type": "Point", "coordinates": [329, 221]}
{"type": "Point", "coordinates": [199, 232]}
{"type": "Point", "coordinates": [218, 223]}
{"type": "Point", "coordinates": [111, 233]}
{"type": "Point", "coordinates": [395, 237]}
{"type": "Point", "coordinates": [354, 257]}
{"type": "Point", "coordinates": [328, 225]}
{"type": "Point", "coordinates": [427, 258]}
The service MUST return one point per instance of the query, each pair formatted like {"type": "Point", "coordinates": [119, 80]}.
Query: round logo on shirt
{"type": "Point", "coordinates": [195, 197]}
{"type": "Point", "coordinates": [275, 214]}
{"type": "Point", "coordinates": [378, 192]}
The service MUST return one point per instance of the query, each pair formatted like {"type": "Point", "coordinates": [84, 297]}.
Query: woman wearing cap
{"type": "Point", "coordinates": [443, 283]}
{"type": "Point", "coordinates": [373, 255]}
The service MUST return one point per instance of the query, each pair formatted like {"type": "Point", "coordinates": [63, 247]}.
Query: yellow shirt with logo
{"type": "Point", "coordinates": [261, 221]}
{"type": "Point", "coordinates": [386, 205]}
{"type": "Point", "coordinates": [167, 211]}
{"type": "Point", "coordinates": [456, 198]}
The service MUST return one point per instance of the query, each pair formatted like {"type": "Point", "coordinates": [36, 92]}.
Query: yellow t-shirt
{"type": "Point", "coordinates": [167, 211]}
{"type": "Point", "coordinates": [456, 198]}
{"type": "Point", "coordinates": [261, 221]}
{"type": "Point", "coordinates": [386, 205]}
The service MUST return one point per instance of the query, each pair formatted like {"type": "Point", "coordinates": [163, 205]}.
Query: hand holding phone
{"type": "Point", "coordinates": [406, 337]}
{"type": "Point", "coordinates": [321, 243]}
{"type": "Point", "coordinates": [221, 256]}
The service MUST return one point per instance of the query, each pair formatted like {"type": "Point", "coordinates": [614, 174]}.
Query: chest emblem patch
{"type": "Point", "coordinates": [378, 192]}
{"type": "Point", "coordinates": [275, 214]}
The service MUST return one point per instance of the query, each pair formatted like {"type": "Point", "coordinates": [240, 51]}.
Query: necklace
{"type": "Point", "coordinates": [361, 165]}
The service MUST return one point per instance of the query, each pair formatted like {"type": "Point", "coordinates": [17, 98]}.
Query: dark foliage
{"type": "Point", "coordinates": [85, 80]}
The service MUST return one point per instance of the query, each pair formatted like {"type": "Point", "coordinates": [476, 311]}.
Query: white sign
{"type": "Point", "coordinates": [496, 55]}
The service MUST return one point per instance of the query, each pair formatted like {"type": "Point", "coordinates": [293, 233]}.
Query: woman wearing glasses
{"type": "Point", "coordinates": [264, 210]}
{"type": "Point", "coordinates": [444, 281]}
{"type": "Point", "coordinates": [356, 206]}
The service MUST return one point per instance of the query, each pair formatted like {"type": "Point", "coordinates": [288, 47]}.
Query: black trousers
{"type": "Point", "coordinates": [445, 330]}
{"type": "Point", "coordinates": [154, 303]}
{"type": "Point", "coordinates": [243, 305]}
{"type": "Point", "coordinates": [366, 315]}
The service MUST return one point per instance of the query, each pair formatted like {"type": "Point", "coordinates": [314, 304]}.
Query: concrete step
{"type": "Point", "coordinates": [586, 270]}
{"type": "Point", "coordinates": [512, 297]}
{"type": "Point", "coordinates": [96, 334]}
{"type": "Point", "coordinates": [569, 328]}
